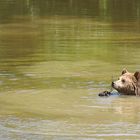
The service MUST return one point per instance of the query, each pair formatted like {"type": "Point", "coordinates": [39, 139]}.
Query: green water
{"type": "Point", "coordinates": [55, 57]}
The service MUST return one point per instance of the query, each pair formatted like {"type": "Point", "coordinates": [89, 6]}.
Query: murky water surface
{"type": "Point", "coordinates": [55, 57]}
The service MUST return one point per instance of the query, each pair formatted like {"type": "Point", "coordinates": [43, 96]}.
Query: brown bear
{"type": "Point", "coordinates": [128, 83]}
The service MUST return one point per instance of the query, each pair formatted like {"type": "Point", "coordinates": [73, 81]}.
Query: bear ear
{"type": "Point", "coordinates": [137, 75]}
{"type": "Point", "coordinates": [124, 71]}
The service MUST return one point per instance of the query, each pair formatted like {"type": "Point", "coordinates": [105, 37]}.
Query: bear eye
{"type": "Point", "coordinates": [123, 80]}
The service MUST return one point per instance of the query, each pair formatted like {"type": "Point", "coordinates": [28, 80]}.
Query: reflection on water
{"type": "Point", "coordinates": [55, 57]}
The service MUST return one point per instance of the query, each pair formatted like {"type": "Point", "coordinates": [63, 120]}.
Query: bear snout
{"type": "Point", "coordinates": [112, 84]}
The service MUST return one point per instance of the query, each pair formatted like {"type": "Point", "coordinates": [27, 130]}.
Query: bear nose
{"type": "Point", "coordinates": [113, 84]}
